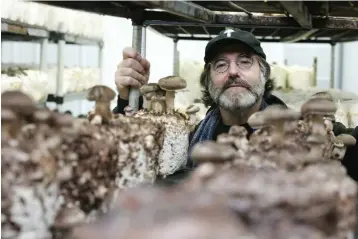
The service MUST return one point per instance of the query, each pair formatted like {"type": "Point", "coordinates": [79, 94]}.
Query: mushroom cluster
{"type": "Point", "coordinates": [164, 213]}
{"type": "Point", "coordinates": [159, 107]}
{"type": "Point", "coordinates": [30, 183]}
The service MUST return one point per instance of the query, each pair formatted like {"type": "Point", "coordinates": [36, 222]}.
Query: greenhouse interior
{"type": "Point", "coordinates": [127, 125]}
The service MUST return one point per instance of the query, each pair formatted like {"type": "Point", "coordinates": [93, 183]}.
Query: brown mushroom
{"type": "Point", "coordinates": [210, 151]}
{"type": "Point", "coordinates": [158, 104]}
{"type": "Point", "coordinates": [191, 112]}
{"type": "Point", "coordinates": [8, 119]}
{"type": "Point", "coordinates": [69, 217]}
{"type": "Point", "coordinates": [346, 139]}
{"type": "Point", "coordinates": [128, 111]}
{"type": "Point", "coordinates": [170, 84]}
{"type": "Point", "coordinates": [314, 111]}
{"type": "Point", "coordinates": [326, 96]}
{"type": "Point", "coordinates": [147, 92]}
{"type": "Point", "coordinates": [256, 120]}
{"type": "Point", "coordinates": [280, 117]}
{"type": "Point", "coordinates": [340, 146]}
{"type": "Point", "coordinates": [102, 95]}
{"type": "Point", "coordinates": [20, 103]}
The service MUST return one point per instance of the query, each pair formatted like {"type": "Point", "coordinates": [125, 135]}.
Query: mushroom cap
{"type": "Point", "coordinates": [346, 139]}
{"type": "Point", "coordinates": [172, 83]}
{"type": "Point", "coordinates": [318, 106]}
{"type": "Point", "coordinates": [42, 115]}
{"type": "Point", "coordinates": [256, 120]}
{"type": "Point", "coordinates": [100, 93]}
{"type": "Point", "coordinates": [211, 151]}
{"type": "Point", "coordinates": [62, 120]}
{"type": "Point", "coordinates": [69, 217]}
{"type": "Point", "coordinates": [280, 112]}
{"type": "Point", "coordinates": [192, 109]}
{"type": "Point", "coordinates": [18, 102]}
{"type": "Point", "coordinates": [236, 130]}
{"type": "Point", "coordinates": [151, 87]}
{"type": "Point", "coordinates": [7, 115]}
{"type": "Point", "coordinates": [323, 95]}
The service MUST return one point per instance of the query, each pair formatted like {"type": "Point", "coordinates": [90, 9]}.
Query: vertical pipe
{"type": "Point", "coordinates": [60, 67]}
{"type": "Point", "coordinates": [43, 55]}
{"type": "Point", "coordinates": [100, 62]}
{"type": "Point", "coordinates": [331, 83]}
{"type": "Point", "coordinates": [340, 65]}
{"type": "Point", "coordinates": [175, 58]}
{"type": "Point", "coordinates": [315, 71]}
{"type": "Point", "coordinates": [144, 42]}
{"type": "Point", "coordinates": [136, 44]}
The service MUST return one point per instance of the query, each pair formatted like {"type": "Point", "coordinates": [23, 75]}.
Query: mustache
{"type": "Point", "coordinates": [237, 82]}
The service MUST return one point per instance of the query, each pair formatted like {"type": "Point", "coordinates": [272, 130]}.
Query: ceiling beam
{"type": "Point", "coordinates": [299, 12]}
{"type": "Point", "coordinates": [187, 10]}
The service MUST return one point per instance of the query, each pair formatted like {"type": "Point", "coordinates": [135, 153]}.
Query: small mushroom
{"type": "Point", "coordinates": [69, 217]}
{"type": "Point", "coordinates": [210, 151]}
{"type": "Point", "coordinates": [102, 95]}
{"type": "Point", "coordinates": [170, 84]}
{"type": "Point", "coordinates": [314, 111]}
{"type": "Point", "coordinates": [326, 96]}
{"type": "Point", "coordinates": [42, 116]}
{"type": "Point", "coordinates": [340, 146]}
{"type": "Point", "coordinates": [128, 111]}
{"type": "Point", "coordinates": [20, 103]}
{"type": "Point", "coordinates": [279, 116]}
{"type": "Point", "coordinates": [256, 120]}
{"type": "Point", "coordinates": [191, 111]}
{"type": "Point", "coordinates": [158, 104]}
{"type": "Point", "coordinates": [147, 92]}
{"type": "Point", "coordinates": [8, 119]}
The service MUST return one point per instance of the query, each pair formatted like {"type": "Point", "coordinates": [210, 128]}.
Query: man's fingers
{"type": "Point", "coordinates": [146, 65]}
{"type": "Point", "coordinates": [132, 63]}
{"type": "Point", "coordinates": [130, 52]}
{"type": "Point", "coordinates": [129, 81]}
{"type": "Point", "coordinates": [133, 74]}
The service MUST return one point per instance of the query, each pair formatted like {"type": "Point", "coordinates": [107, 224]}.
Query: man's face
{"type": "Point", "coordinates": [236, 80]}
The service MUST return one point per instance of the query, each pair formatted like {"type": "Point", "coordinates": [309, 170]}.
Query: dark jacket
{"type": "Point", "coordinates": [350, 160]}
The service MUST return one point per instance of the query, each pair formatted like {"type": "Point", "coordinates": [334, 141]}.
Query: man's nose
{"type": "Point", "coordinates": [233, 69]}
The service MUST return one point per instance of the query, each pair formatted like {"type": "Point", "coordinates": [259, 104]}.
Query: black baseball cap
{"type": "Point", "coordinates": [232, 36]}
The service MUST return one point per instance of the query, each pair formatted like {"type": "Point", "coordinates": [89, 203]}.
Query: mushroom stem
{"type": "Point", "coordinates": [102, 108]}
{"type": "Point", "coordinates": [169, 101]}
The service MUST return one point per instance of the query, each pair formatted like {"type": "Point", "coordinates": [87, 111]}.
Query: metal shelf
{"type": "Point", "coordinates": [16, 31]}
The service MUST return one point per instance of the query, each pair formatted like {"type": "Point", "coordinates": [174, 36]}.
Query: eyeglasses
{"type": "Point", "coordinates": [222, 65]}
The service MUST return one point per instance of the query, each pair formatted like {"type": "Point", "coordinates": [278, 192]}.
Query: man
{"type": "Point", "coordinates": [236, 84]}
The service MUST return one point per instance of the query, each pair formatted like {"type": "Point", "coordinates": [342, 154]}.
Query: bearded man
{"type": "Point", "coordinates": [236, 84]}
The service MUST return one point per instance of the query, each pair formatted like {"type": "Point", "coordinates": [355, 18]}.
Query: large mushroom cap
{"type": "Point", "coordinates": [346, 139]}
{"type": "Point", "coordinates": [319, 106]}
{"type": "Point", "coordinates": [212, 151]}
{"type": "Point", "coordinates": [42, 115]}
{"type": "Point", "coordinates": [280, 112]}
{"type": "Point", "coordinates": [256, 120]}
{"type": "Point", "coordinates": [323, 95]}
{"type": "Point", "coordinates": [7, 115]}
{"type": "Point", "coordinates": [151, 87]}
{"type": "Point", "coordinates": [18, 102]}
{"type": "Point", "coordinates": [172, 83]}
{"type": "Point", "coordinates": [100, 93]}
{"type": "Point", "coordinates": [192, 109]}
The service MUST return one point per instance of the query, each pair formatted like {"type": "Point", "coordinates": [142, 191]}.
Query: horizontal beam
{"type": "Point", "coordinates": [260, 39]}
{"type": "Point", "coordinates": [299, 11]}
{"type": "Point", "coordinates": [239, 20]}
{"type": "Point", "coordinates": [187, 10]}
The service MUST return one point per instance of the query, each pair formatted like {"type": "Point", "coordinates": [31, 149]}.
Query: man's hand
{"type": "Point", "coordinates": [132, 71]}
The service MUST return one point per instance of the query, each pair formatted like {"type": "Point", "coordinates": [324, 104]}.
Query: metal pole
{"type": "Point", "coordinates": [332, 65]}
{"type": "Point", "coordinates": [60, 67]}
{"type": "Point", "coordinates": [100, 61]}
{"type": "Point", "coordinates": [144, 42]}
{"type": "Point", "coordinates": [43, 56]}
{"type": "Point", "coordinates": [315, 71]}
{"type": "Point", "coordinates": [136, 44]}
{"type": "Point", "coordinates": [175, 58]}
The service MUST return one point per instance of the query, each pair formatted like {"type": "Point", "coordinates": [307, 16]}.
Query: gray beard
{"type": "Point", "coordinates": [237, 101]}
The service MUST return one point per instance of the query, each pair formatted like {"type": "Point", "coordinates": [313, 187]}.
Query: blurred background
{"type": "Point", "coordinates": [93, 47]}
